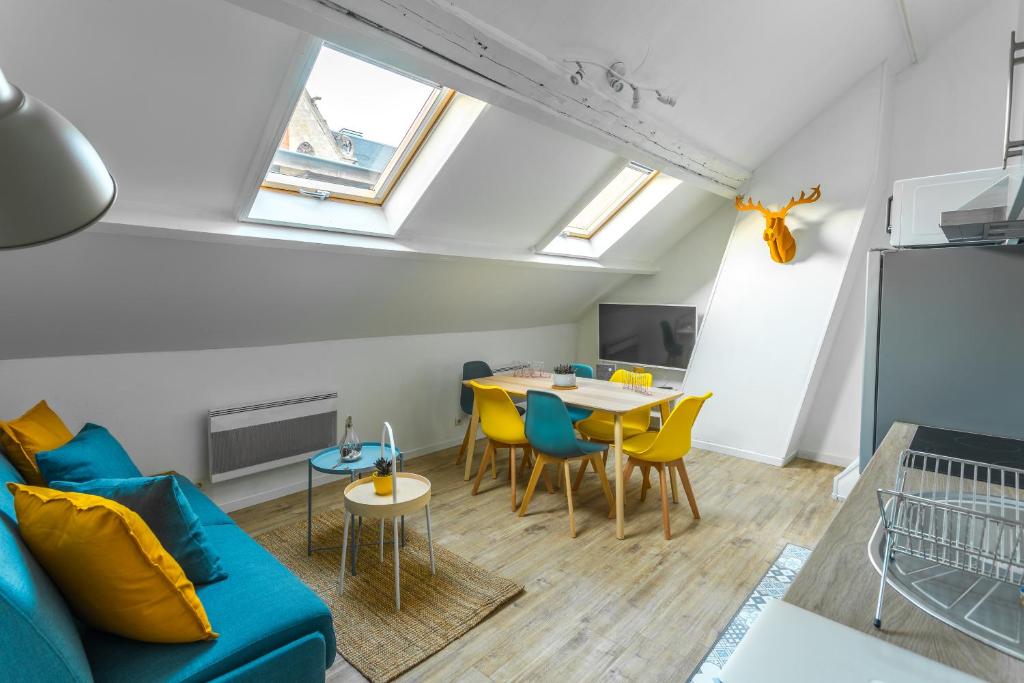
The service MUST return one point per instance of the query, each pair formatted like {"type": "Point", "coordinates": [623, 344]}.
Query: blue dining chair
{"type": "Point", "coordinates": [577, 414]}
{"type": "Point", "coordinates": [473, 369]}
{"type": "Point", "coordinates": [553, 438]}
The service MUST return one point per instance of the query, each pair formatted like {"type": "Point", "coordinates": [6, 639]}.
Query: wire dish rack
{"type": "Point", "coordinates": [962, 522]}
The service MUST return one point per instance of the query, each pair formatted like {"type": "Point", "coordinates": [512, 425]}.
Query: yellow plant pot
{"type": "Point", "coordinates": [382, 485]}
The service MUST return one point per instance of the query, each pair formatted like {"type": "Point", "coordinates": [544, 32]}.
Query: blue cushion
{"type": "Point", "coordinates": [164, 508]}
{"type": "Point", "coordinates": [206, 510]}
{"type": "Point", "coordinates": [40, 640]}
{"type": "Point", "coordinates": [8, 473]}
{"type": "Point", "coordinates": [261, 607]}
{"type": "Point", "coordinates": [93, 454]}
{"type": "Point", "coordinates": [577, 414]}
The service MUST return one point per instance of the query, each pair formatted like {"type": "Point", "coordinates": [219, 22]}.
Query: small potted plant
{"type": "Point", "coordinates": [383, 479]}
{"type": "Point", "coordinates": [564, 375]}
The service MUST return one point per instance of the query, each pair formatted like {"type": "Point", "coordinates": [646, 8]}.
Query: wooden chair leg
{"type": "Point", "coordinates": [685, 478]}
{"type": "Point", "coordinates": [580, 473]}
{"type": "Point", "coordinates": [494, 464]}
{"type": "Point", "coordinates": [527, 460]}
{"type": "Point", "coordinates": [465, 445]}
{"type": "Point", "coordinates": [538, 469]}
{"type": "Point", "coordinates": [672, 480]}
{"type": "Point", "coordinates": [568, 498]}
{"type": "Point", "coordinates": [664, 499]}
{"type": "Point", "coordinates": [547, 480]}
{"type": "Point", "coordinates": [512, 474]}
{"type": "Point", "coordinates": [646, 483]}
{"type": "Point", "coordinates": [605, 486]}
{"type": "Point", "coordinates": [488, 454]}
{"type": "Point", "coordinates": [627, 471]}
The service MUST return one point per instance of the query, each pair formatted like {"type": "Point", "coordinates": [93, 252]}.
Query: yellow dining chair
{"type": "Point", "coordinates": [600, 426]}
{"type": "Point", "coordinates": [503, 426]}
{"type": "Point", "coordinates": [664, 451]}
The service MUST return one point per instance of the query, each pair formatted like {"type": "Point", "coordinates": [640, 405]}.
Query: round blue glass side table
{"type": "Point", "coordinates": [329, 461]}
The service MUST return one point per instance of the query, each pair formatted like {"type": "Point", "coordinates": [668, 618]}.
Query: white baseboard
{"type": "Point", "coordinates": [318, 479]}
{"type": "Point", "coordinates": [838, 460]}
{"type": "Point", "coordinates": [844, 482]}
{"type": "Point", "coordinates": [741, 453]}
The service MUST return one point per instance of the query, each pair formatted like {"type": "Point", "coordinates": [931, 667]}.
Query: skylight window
{"type": "Point", "coordinates": [610, 200]}
{"type": "Point", "coordinates": [354, 129]}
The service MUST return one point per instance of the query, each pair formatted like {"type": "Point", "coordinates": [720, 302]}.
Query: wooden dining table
{"type": "Point", "coordinates": [592, 394]}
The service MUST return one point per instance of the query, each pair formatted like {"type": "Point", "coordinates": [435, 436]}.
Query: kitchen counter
{"type": "Point", "coordinates": [839, 583]}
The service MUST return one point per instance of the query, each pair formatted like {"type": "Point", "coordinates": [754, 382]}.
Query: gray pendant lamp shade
{"type": "Point", "coordinates": [52, 181]}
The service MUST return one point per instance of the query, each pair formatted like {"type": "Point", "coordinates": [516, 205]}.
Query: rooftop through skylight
{"type": "Point", "coordinates": [354, 129]}
{"type": "Point", "coordinates": [610, 200]}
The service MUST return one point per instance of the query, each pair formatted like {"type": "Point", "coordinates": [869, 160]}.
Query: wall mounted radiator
{"type": "Point", "coordinates": [263, 436]}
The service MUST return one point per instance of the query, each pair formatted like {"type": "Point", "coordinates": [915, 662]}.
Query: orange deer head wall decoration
{"type": "Point", "coordinates": [780, 240]}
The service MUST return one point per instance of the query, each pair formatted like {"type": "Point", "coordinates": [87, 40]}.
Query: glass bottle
{"type": "Point", "coordinates": [350, 445]}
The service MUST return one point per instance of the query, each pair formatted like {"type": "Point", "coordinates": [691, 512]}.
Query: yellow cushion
{"type": "Point", "coordinates": [40, 429]}
{"type": "Point", "coordinates": [110, 567]}
{"type": "Point", "coordinates": [598, 429]}
{"type": "Point", "coordinates": [640, 443]}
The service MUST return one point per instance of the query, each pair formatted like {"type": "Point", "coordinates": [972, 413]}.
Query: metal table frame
{"type": "Point", "coordinates": [353, 469]}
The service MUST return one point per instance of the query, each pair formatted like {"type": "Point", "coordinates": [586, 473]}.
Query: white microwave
{"type": "Point", "coordinates": [917, 204]}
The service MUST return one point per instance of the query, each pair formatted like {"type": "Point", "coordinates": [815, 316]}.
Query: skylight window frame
{"type": "Point", "coordinates": [406, 151]}
{"type": "Point", "coordinates": [611, 212]}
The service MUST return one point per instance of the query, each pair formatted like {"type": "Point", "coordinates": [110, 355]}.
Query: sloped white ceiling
{"type": "Point", "coordinates": [176, 96]}
{"type": "Point", "coordinates": [672, 219]}
{"type": "Point", "coordinates": [100, 293]}
{"type": "Point", "coordinates": [748, 73]}
{"type": "Point", "coordinates": [509, 183]}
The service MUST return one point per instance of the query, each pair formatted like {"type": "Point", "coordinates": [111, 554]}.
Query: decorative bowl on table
{"type": "Point", "coordinates": [349, 452]}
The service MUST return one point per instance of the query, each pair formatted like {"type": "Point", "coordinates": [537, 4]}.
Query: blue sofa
{"type": "Point", "coordinates": [272, 627]}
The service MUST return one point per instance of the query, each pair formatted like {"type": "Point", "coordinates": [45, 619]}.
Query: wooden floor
{"type": "Point", "coordinates": [596, 608]}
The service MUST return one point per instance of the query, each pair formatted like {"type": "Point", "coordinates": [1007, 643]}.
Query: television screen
{"type": "Point", "coordinates": [643, 334]}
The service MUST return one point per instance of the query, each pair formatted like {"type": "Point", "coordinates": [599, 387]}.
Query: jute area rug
{"type": "Point", "coordinates": [374, 638]}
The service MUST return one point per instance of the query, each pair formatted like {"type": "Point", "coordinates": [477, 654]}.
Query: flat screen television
{"type": "Point", "coordinates": [647, 334]}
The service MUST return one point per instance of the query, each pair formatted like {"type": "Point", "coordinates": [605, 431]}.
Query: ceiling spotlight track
{"type": "Point", "coordinates": [615, 75]}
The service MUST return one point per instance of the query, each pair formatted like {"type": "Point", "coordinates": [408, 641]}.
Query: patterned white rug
{"type": "Point", "coordinates": [773, 584]}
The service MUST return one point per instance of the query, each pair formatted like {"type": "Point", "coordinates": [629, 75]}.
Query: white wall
{"type": "Point", "coordinates": [772, 326]}
{"type": "Point", "coordinates": [947, 115]}
{"type": "Point", "coordinates": [767, 324]}
{"type": "Point", "coordinates": [949, 110]}
{"type": "Point", "coordinates": [156, 403]}
{"type": "Point", "coordinates": [832, 430]}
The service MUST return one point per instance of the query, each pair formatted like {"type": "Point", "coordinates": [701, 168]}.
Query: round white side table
{"type": "Point", "coordinates": [412, 492]}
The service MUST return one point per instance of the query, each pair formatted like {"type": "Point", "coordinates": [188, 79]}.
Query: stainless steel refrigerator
{"type": "Point", "coordinates": [944, 341]}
